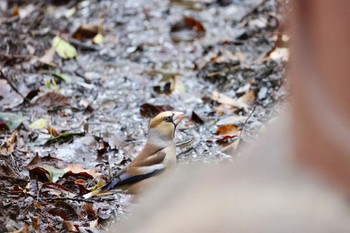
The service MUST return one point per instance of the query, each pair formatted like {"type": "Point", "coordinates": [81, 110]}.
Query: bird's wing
{"type": "Point", "coordinates": [138, 170]}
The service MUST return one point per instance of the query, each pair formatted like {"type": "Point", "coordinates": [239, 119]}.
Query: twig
{"type": "Point", "coordinates": [65, 198]}
{"type": "Point", "coordinates": [16, 56]}
{"type": "Point", "coordinates": [246, 121]}
{"type": "Point", "coordinates": [3, 76]}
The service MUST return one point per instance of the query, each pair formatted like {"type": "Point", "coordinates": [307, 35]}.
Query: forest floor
{"type": "Point", "coordinates": [79, 81]}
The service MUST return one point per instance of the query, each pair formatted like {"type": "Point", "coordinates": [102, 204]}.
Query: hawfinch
{"type": "Point", "coordinates": [157, 155]}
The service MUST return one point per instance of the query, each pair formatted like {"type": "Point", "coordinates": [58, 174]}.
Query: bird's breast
{"type": "Point", "coordinates": [170, 158]}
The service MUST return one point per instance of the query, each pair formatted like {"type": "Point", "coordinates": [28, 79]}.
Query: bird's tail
{"type": "Point", "coordinates": [105, 189]}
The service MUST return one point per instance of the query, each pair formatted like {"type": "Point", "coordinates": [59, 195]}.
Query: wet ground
{"type": "Point", "coordinates": [221, 62]}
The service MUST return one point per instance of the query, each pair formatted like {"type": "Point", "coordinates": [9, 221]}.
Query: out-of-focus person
{"type": "Point", "coordinates": [296, 178]}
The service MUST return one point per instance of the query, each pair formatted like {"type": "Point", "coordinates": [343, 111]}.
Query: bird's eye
{"type": "Point", "coordinates": [168, 119]}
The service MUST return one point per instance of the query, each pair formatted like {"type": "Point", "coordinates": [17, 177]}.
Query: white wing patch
{"type": "Point", "coordinates": [150, 169]}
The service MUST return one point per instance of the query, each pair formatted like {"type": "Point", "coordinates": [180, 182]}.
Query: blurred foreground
{"type": "Point", "coordinates": [296, 179]}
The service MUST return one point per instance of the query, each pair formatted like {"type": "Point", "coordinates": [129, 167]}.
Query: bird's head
{"type": "Point", "coordinates": [162, 127]}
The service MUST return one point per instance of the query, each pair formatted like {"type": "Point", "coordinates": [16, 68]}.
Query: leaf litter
{"type": "Point", "coordinates": [75, 100]}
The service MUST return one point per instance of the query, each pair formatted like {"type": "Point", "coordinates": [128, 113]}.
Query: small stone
{"type": "Point", "coordinates": [262, 93]}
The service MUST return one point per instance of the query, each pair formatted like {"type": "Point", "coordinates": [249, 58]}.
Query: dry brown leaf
{"type": "Point", "coordinates": [64, 210]}
{"type": "Point", "coordinates": [7, 147]}
{"type": "Point", "coordinates": [93, 223]}
{"type": "Point", "coordinates": [77, 168]}
{"type": "Point", "coordinates": [88, 210]}
{"type": "Point", "coordinates": [187, 29]}
{"type": "Point", "coordinates": [15, 11]}
{"type": "Point", "coordinates": [69, 226]}
{"type": "Point", "coordinates": [47, 58]}
{"type": "Point", "coordinates": [86, 31]}
{"type": "Point", "coordinates": [239, 103]}
{"type": "Point", "coordinates": [229, 129]}
{"type": "Point", "coordinates": [151, 110]}
{"type": "Point", "coordinates": [279, 50]}
{"type": "Point", "coordinates": [35, 223]}
{"type": "Point", "coordinates": [23, 229]}
{"type": "Point", "coordinates": [223, 99]}
{"type": "Point", "coordinates": [248, 98]}
{"type": "Point", "coordinates": [48, 160]}
{"type": "Point", "coordinates": [51, 99]}
{"type": "Point", "coordinates": [7, 171]}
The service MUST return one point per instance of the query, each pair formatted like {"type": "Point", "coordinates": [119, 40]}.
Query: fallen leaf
{"type": "Point", "coordinates": [280, 54]}
{"type": "Point", "coordinates": [8, 97]}
{"type": "Point", "coordinates": [77, 168]}
{"type": "Point", "coordinates": [63, 48]}
{"type": "Point", "coordinates": [94, 223]}
{"type": "Point", "coordinates": [224, 140]}
{"type": "Point", "coordinates": [54, 173]}
{"type": "Point", "coordinates": [86, 104]}
{"type": "Point", "coordinates": [39, 174]}
{"type": "Point", "coordinates": [187, 29]}
{"type": "Point", "coordinates": [15, 11]}
{"type": "Point", "coordinates": [70, 12]}
{"type": "Point", "coordinates": [12, 120]}
{"type": "Point", "coordinates": [88, 210]}
{"type": "Point", "coordinates": [223, 99]}
{"type": "Point", "coordinates": [85, 31]}
{"type": "Point", "coordinates": [248, 98]}
{"type": "Point", "coordinates": [3, 126]}
{"type": "Point", "coordinates": [64, 210]}
{"type": "Point", "coordinates": [37, 161]}
{"type": "Point", "coordinates": [35, 223]}
{"type": "Point", "coordinates": [150, 110]}
{"type": "Point", "coordinates": [48, 57]}
{"type": "Point", "coordinates": [8, 146]}
{"type": "Point", "coordinates": [54, 188]}
{"type": "Point", "coordinates": [32, 93]}
{"type": "Point", "coordinates": [165, 89]}
{"type": "Point", "coordinates": [51, 99]}
{"type": "Point", "coordinates": [98, 39]}
{"type": "Point", "coordinates": [26, 10]}
{"type": "Point", "coordinates": [7, 171]}
{"type": "Point", "coordinates": [64, 77]}
{"type": "Point", "coordinates": [39, 124]}
{"type": "Point", "coordinates": [232, 120]}
{"type": "Point", "coordinates": [24, 229]}
{"type": "Point", "coordinates": [229, 129]}
{"type": "Point", "coordinates": [69, 226]}
{"type": "Point", "coordinates": [242, 102]}
{"type": "Point", "coordinates": [63, 137]}
{"type": "Point", "coordinates": [196, 118]}
{"type": "Point", "coordinates": [178, 86]}
{"type": "Point", "coordinates": [102, 148]}
{"type": "Point", "coordinates": [68, 181]}
{"type": "Point", "coordinates": [280, 49]}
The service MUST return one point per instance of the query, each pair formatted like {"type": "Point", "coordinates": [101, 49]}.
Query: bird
{"type": "Point", "coordinates": [157, 156]}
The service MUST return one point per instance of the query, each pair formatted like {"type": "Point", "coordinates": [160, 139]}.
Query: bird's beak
{"type": "Point", "coordinates": [178, 117]}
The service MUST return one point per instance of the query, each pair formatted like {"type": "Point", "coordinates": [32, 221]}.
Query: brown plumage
{"type": "Point", "coordinates": [157, 156]}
